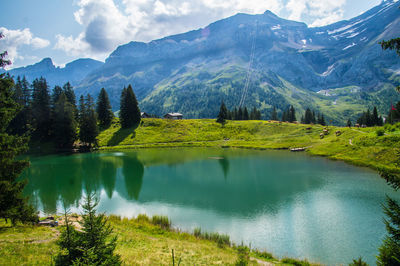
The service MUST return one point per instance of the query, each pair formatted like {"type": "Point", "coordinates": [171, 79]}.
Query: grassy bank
{"type": "Point", "coordinates": [359, 146]}
{"type": "Point", "coordinates": [140, 242]}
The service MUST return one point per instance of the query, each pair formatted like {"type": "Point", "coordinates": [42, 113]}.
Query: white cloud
{"type": "Point", "coordinates": [14, 39]}
{"type": "Point", "coordinates": [106, 26]}
{"type": "Point", "coordinates": [320, 12]}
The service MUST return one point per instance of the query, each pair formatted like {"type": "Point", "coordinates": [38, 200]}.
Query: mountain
{"type": "Point", "coordinates": [260, 61]}
{"type": "Point", "coordinates": [73, 72]}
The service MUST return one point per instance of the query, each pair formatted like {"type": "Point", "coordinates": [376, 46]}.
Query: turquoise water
{"type": "Point", "coordinates": [289, 204]}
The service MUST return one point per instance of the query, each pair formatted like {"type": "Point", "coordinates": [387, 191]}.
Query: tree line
{"type": "Point", "coordinates": [57, 117]}
{"type": "Point", "coordinates": [370, 119]}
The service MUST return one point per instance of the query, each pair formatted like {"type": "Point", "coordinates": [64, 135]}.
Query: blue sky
{"type": "Point", "coordinates": [69, 29]}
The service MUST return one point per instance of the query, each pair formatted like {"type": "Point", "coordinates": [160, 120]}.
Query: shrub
{"type": "Point", "coordinates": [243, 256]}
{"type": "Point", "coordinates": [380, 132]}
{"type": "Point", "coordinates": [295, 262]}
{"type": "Point", "coordinates": [263, 254]}
{"type": "Point", "coordinates": [143, 218]}
{"type": "Point", "coordinates": [162, 221]}
{"type": "Point", "coordinates": [358, 262]}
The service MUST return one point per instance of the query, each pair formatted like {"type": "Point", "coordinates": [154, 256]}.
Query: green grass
{"type": "Point", "coordinates": [140, 242]}
{"type": "Point", "coordinates": [357, 146]}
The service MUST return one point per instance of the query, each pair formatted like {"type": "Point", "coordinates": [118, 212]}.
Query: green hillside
{"type": "Point", "coordinates": [198, 94]}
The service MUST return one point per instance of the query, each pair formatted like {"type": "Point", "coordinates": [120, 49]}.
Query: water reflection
{"type": "Point", "coordinates": [290, 204]}
{"type": "Point", "coordinates": [250, 184]}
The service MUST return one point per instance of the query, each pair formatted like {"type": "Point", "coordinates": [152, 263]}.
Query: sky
{"type": "Point", "coordinates": [66, 30]}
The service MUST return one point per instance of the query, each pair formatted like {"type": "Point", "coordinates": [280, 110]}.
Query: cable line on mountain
{"type": "Point", "coordinates": [249, 69]}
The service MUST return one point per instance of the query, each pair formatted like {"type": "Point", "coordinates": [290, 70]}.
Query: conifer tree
{"type": "Point", "coordinates": [274, 115]}
{"type": "Point", "coordinates": [129, 110]}
{"type": "Point", "coordinates": [94, 245]}
{"type": "Point", "coordinates": [70, 94]}
{"type": "Point", "coordinates": [41, 108]}
{"type": "Point", "coordinates": [56, 94]}
{"type": "Point", "coordinates": [308, 116]}
{"type": "Point", "coordinates": [375, 117]}
{"type": "Point", "coordinates": [348, 123]}
{"type": "Point", "coordinates": [87, 121]}
{"type": "Point", "coordinates": [21, 123]}
{"type": "Point", "coordinates": [245, 114]}
{"type": "Point", "coordinates": [321, 120]}
{"type": "Point", "coordinates": [64, 126]}
{"type": "Point", "coordinates": [292, 114]}
{"type": "Point", "coordinates": [103, 109]}
{"type": "Point", "coordinates": [284, 116]}
{"type": "Point", "coordinates": [13, 204]}
{"type": "Point", "coordinates": [240, 114]}
{"type": "Point", "coordinates": [223, 114]}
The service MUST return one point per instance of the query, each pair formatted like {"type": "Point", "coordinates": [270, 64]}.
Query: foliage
{"type": "Point", "coordinates": [358, 262]}
{"type": "Point", "coordinates": [222, 115]}
{"type": "Point", "coordinates": [274, 114]}
{"type": "Point", "coordinates": [369, 119]}
{"type": "Point", "coordinates": [295, 262]}
{"type": "Point", "coordinates": [243, 256]}
{"type": "Point", "coordinates": [95, 245]}
{"type": "Point", "coordinates": [64, 124]}
{"type": "Point", "coordinates": [41, 109]}
{"type": "Point", "coordinates": [221, 239]}
{"type": "Point", "coordinates": [103, 109]}
{"type": "Point", "coordinates": [162, 221]}
{"type": "Point", "coordinates": [380, 132]}
{"type": "Point", "coordinates": [87, 121]}
{"type": "Point", "coordinates": [13, 204]}
{"type": "Point", "coordinates": [129, 110]}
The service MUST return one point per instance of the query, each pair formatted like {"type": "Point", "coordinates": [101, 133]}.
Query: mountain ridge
{"type": "Point", "coordinates": [260, 61]}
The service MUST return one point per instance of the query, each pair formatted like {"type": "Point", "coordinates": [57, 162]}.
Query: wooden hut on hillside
{"type": "Point", "coordinates": [176, 116]}
{"type": "Point", "coordinates": [144, 115]}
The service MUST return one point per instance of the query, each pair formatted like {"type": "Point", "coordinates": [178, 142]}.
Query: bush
{"type": "Point", "coordinates": [143, 218]}
{"type": "Point", "coordinates": [162, 221]}
{"type": "Point", "coordinates": [295, 262]}
{"type": "Point", "coordinates": [380, 132]}
{"type": "Point", "coordinates": [358, 262]}
{"type": "Point", "coordinates": [243, 256]}
{"type": "Point", "coordinates": [221, 239]}
{"type": "Point", "coordinates": [263, 254]}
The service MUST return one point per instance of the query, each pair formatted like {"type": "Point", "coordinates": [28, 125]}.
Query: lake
{"type": "Point", "coordinates": [290, 204]}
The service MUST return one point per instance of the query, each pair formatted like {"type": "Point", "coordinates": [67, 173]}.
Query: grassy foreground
{"type": "Point", "coordinates": [359, 146]}
{"type": "Point", "coordinates": [139, 243]}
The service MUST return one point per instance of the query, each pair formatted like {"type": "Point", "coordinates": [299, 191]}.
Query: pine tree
{"type": "Point", "coordinates": [20, 124]}
{"type": "Point", "coordinates": [274, 114]}
{"type": "Point", "coordinates": [13, 204]}
{"type": "Point", "coordinates": [240, 114]}
{"type": "Point", "coordinates": [103, 109]}
{"type": "Point", "coordinates": [87, 121]}
{"type": "Point", "coordinates": [389, 252]}
{"type": "Point", "coordinates": [41, 109]}
{"type": "Point", "coordinates": [284, 116]}
{"type": "Point", "coordinates": [64, 126]}
{"type": "Point", "coordinates": [308, 116]}
{"type": "Point", "coordinates": [375, 117]}
{"type": "Point", "coordinates": [56, 94]}
{"type": "Point", "coordinates": [348, 123]}
{"type": "Point", "coordinates": [98, 244]}
{"type": "Point", "coordinates": [321, 120]}
{"type": "Point", "coordinates": [69, 92]}
{"type": "Point", "coordinates": [245, 114]}
{"type": "Point", "coordinates": [94, 245]}
{"type": "Point", "coordinates": [223, 114]}
{"type": "Point", "coordinates": [129, 110]}
{"type": "Point", "coordinates": [292, 114]}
